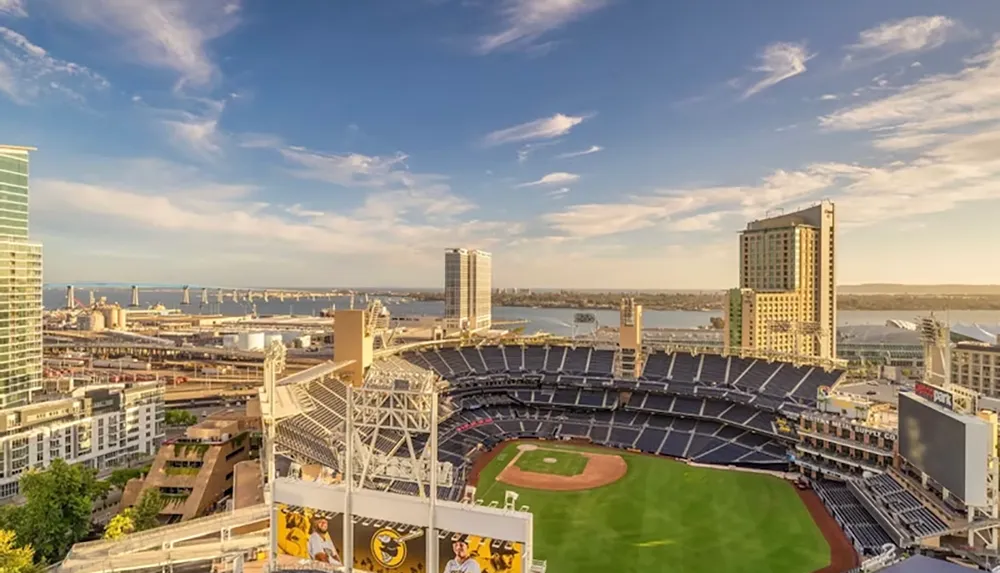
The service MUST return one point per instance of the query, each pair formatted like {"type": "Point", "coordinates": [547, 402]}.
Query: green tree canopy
{"type": "Point", "coordinates": [148, 509]}
{"type": "Point", "coordinates": [120, 477]}
{"type": "Point", "coordinates": [179, 418]}
{"type": "Point", "coordinates": [15, 559]}
{"type": "Point", "coordinates": [57, 508]}
{"type": "Point", "coordinates": [139, 518]}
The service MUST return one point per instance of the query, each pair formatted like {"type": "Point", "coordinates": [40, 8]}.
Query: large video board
{"type": "Point", "coordinates": [461, 553]}
{"type": "Point", "coordinates": [390, 531]}
{"type": "Point", "coordinates": [949, 447]}
{"type": "Point", "coordinates": [309, 533]}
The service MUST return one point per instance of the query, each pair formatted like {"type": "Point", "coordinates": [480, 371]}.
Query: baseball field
{"type": "Point", "coordinates": [599, 510]}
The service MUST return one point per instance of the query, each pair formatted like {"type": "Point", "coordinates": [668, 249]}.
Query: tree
{"type": "Point", "coordinates": [139, 518]}
{"type": "Point", "coordinates": [717, 322]}
{"type": "Point", "coordinates": [120, 525]}
{"type": "Point", "coordinates": [120, 477]}
{"type": "Point", "coordinates": [179, 418]}
{"type": "Point", "coordinates": [14, 559]}
{"type": "Point", "coordinates": [148, 509]}
{"type": "Point", "coordinates": [57, 508]}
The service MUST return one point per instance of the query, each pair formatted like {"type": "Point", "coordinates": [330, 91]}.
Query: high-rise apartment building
{"type": "Point", "coordinates": [20, 285]}
{"type": "Point", "coordinates": [468, 289]}
{"type": "Point", "coordinates": [787, 299]}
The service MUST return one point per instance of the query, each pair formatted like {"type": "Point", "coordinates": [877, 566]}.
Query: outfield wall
{"type": "Point", "coordinates": [389, 531]}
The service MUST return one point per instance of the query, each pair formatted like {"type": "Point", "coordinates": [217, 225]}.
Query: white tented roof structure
{"type": "Point", "coordinates": [978, 332]}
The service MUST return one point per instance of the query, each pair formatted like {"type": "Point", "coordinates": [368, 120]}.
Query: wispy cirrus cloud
{"type": "Point", "coordinates": [526, 21]}
{"type": "Point", "coordinates": [588, 151]}
{"type": "Point", "coordinates": [166, 34]}
{"type": "Point", "coordinates": [778, 62]}
{"type": "Point", "coordinates": [915, 34]}
{"type": "Point", "coordinates": [557, 178]}
{"type": "Point", "coordinates": [28, 72]}
{"type": "Point", "coordinates": [552, 127]}
{"type": "Point", "coordinates": [13, 8]}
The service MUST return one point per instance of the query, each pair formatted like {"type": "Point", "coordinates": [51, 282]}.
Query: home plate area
{"type": "Point", "coordinates": [550, 468]}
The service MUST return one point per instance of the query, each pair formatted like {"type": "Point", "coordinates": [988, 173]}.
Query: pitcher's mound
{"type": "Point", "coordinates": [550, 460]}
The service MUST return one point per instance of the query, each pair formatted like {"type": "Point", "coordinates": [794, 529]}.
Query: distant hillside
{"type": "Point", "coordinates": [939, 290]}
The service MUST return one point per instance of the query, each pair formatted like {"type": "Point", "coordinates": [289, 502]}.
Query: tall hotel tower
{"type": "Point", "coordinates": [20, 285]}
{"type": "Point", "coordinates": [468, 289]}
{"type": "Point", "coordinates": [787, 299]}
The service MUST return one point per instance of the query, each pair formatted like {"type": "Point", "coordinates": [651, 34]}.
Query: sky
{"type": "Point", "coordinates": [616, 144]}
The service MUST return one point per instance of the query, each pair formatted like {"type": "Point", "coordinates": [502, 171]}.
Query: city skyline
{"type": "Point", "coordinates": [586, 144]}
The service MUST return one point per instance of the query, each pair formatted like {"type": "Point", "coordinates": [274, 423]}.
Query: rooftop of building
{"type": "Point", "coordinates": [17, 148]}
{"type": "Point", "coordinates": [878, 391]}
{"type": "Point", "coordinates": [876, 334]}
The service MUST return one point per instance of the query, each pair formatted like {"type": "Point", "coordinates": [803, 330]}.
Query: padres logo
{"type": "Point", "coordinates": [822, 393]}
{"type": "Point", "coordinates": [388, 548]}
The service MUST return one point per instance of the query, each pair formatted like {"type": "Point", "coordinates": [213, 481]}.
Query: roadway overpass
{"type": "Point", "coordinates": [203, 539]}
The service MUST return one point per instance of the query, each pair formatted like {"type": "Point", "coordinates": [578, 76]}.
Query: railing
{"type": "Point", "coordinates": [171, 533]}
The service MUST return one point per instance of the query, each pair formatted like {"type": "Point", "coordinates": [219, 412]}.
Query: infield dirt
{"type": "Point", "coordinates": [601, 470]}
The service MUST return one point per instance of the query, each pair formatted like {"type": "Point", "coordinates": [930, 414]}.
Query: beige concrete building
{"type": "Point", "coordinates": [976, 366]}
{"type": "Point", "coordinates": [468, 288]}
{"type": "Point", "coordinates": [195, 472]}
{"type": "Point", "coordinates": [787, 299]}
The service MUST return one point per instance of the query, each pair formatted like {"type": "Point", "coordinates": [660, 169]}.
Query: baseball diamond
{"type": "Point", "coordinates": [660, 515]}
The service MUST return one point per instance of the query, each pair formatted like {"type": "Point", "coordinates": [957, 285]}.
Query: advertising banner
{"type": "Point", "coordinates": [461, 553]}
{"type": "Point", "coordinates": [307, 533]}
{"type": "Point", "coordinates": [935, 395]}
{"type": "Point", "coordinates": [381, 547]}
{"type": "Point", "coordinates": [584, 318]}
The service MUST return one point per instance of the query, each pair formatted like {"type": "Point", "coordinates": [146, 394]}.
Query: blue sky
{"type": "Point", "coordinates": [586, 143]}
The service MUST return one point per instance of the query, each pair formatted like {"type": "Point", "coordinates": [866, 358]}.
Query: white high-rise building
{"type": "Point", "coordinates": [21, 287]}
{"type": "Point", "coordinates": [468, 289]}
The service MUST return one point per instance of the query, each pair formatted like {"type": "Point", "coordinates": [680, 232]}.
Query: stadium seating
{"type": "Point", "coordinates": [771, 384]}
{"type": "Point", "coordinates": [896, 508]}
{"type": "Point", "coordinates": [861, 528]}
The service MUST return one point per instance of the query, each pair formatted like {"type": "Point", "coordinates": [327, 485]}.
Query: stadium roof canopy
{"type": "Point", "coordinates": [977, 332]}
{"type": "Point", "coordinates": [921, 564]}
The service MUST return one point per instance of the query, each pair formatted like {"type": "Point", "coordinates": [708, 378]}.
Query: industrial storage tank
{"type": "Point", "coordinates": [289, 336]}
{"type": "Point", "coordinates": [272, 337]}
{"type": "Point", "coordinates": [92, 321]}
{"type": "Point", "coordinates": [111, 317]}
{"type": "Point", "coordinates": [230, 341]}
{"type": "Point", "coordinates": [251, 341]}
{"type": "Point", "coordinates": [303, 341]}
{"type": "Point", "coordinates": [122, 318]}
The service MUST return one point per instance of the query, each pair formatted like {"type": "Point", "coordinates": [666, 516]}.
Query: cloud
{"type": "Point", "coordinates": [529, 148]}
{"type": "Point", "coordinates": [13, 8]}
{"type": "Point", "coordinates": [913, 34]}
{"type": "Point", "coordinates": [558, 193]}
{"type": "Point", "coordinates": [588, 151]}
{"type": "Point", "coordinates": [196, 129]}
{"type": "Point", "coordinates": [167, 34]}
{"type": "Point", "coordinates": [828, 97]}
{"type": "Point", "coordinates": [930, 111]}
{"type": "Point", "coordinates": [28, 72]}
{"type": "Point", "coordinates": [685, 210]}
{"type": "Point", "coordinates": [544, 128]}
{"type": "Point", "coordinates": [779, 62]}
{"type": "Point", "coordinates": [557, 178]}
{"type": "Point", "coordinates": [525, 21]}
{"type": "Point", "coordinates": [153, 198]}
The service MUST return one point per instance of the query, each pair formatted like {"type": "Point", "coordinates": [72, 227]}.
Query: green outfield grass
{"type": "Point", "coordinates": [566, 463]}
{"type": "Point", "coordinates": [665, 516]}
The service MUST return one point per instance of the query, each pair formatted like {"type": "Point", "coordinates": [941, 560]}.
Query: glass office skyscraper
{"type": "Point", "coordinates": [20, 285]}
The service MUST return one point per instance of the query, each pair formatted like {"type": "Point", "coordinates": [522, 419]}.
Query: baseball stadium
{"type": "Point", "coordinates": [528, 456]}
